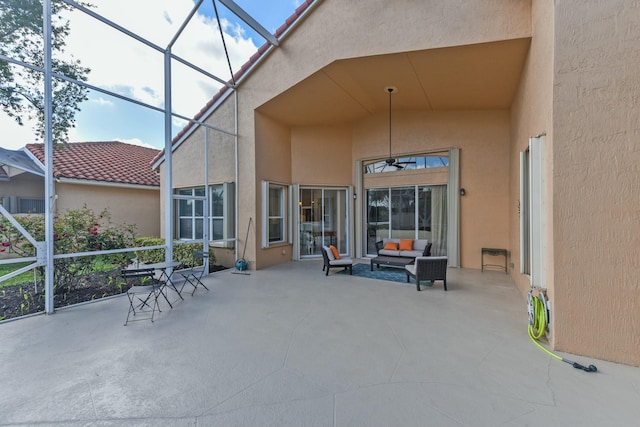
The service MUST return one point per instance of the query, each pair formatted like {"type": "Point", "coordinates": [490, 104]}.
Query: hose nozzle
{"type": "Point", "coordinates": [590, 368]}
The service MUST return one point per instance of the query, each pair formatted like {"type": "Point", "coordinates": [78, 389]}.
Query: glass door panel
{"type": "Point", "coordinates": [424, 213]}
{"type": "Point", "coordinates": [403, 213]}
{"type": "Point", "coordinates": [310, 221]}
{"type": "Point", "coordinates": [377, 217]}
{"type": "Point", "coordinates": [323, 220]}
{"type": "Point", "coordinates": [335, 219]}
{"type": "Point", "coordinates": [407, 213]}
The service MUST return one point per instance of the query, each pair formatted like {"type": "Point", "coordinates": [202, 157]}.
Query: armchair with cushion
{"type": "Point", "coordinates": [331, 261]}
{"type": "Point", "coordinates": [428, 268]}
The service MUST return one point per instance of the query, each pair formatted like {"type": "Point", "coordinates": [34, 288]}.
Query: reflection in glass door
{"type": "Point", "coordinates": [323, 220]}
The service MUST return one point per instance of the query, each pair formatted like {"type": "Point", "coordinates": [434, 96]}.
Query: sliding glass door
{"type": "Point", "coordinates": [412, 212]}
{"type": "Point", "coordinates": [323, 220]}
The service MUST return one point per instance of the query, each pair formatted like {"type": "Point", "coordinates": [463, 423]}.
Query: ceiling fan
{"type": "Point", "coordinates": [391, 161]}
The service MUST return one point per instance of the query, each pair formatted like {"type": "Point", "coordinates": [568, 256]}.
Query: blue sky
{"type": "Point", "coordinates": [126, 67]}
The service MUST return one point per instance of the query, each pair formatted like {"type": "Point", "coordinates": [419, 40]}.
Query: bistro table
{"type": "Point", "coordinates": [166, 271]}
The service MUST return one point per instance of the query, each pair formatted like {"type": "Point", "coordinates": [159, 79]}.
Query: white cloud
{"type": "Point", "coordinates": [13, 135]}
{"type": "Point", "coordinates": [129, 67]}
{"type": "Point", "coordinates": [102, 101]}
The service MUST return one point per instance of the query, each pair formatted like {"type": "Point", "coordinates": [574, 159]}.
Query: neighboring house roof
{"type": "Point", "coordinates": [243, 70]}
{"type": "Point", "coordinates": [19, 159]}
{"type": "Point", "coordinates": [109, 161]}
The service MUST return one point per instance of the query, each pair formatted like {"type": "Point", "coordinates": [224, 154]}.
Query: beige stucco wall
{"type": "Point", "coordinates": [580, 86]}
{"type": "Point", "coordinates": [531, 115]}
{"type": "Point", "coordinates": [321, 155]}
{"type": "Point", "coordinates": [127, 206]}
{"type": "Point", "coordinates": [483, 140]}
{"type": "Point", "coordinates": [23, 185]}
{"type": "Point", "coordinates": [273, 163]}
{"type": "Point", "coordinates": [596, 179]}
{"type": "Point", "coordinates": [320, 40]}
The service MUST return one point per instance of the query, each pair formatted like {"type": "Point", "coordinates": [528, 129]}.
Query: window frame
{"type": "Point", "coordinates": [283, 215]}
{"type": "Point", "coordinates": [228, 214]}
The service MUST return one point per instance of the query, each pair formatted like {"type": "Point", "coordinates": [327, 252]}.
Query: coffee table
{"type": "Point", "coordinates": [391, 261]}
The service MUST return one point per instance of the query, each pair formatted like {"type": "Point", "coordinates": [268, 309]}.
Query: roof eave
{"type": "Point", "coordinates": [74, 181]}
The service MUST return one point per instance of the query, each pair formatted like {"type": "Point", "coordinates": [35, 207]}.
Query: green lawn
{"type": "Point", "coordinates": [26, 277]}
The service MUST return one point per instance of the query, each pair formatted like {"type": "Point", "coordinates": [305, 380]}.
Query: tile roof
{"type": "Point", "coordinates": [243, 69]}
{"type": "Point", "coordinates": [108, 161]}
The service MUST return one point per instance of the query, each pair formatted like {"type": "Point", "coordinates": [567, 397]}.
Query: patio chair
{"type": "Point", "coordinates": [428, 269]}
{"type": "Point", "coordinates": [194, 274]}
{"type": "Point", "coordinates": [330, 261]}
{"type": "Point", "coordinates": [143, 293]}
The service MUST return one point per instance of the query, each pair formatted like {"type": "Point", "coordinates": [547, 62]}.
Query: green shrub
{"type": "Point", "coordinates": [182, 253]}
{"type": "Point", "coordinates": [151, 255]}
{"type": "Point", "coordinates": [79, 230]}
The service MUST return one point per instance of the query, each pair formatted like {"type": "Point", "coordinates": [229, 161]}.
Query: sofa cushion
{"type": "Point", "coordinates": [420, 244]}
{"type": "Point", "coordinates": [387, 252]}
{"type": "Point", "coordinates": [341, 261]}
{"type": "Point", "coordinates": [406, 244]}
{"type": "Point", "coordinates": [410, 254]}
{"type": "Point", "coordinates": [329, 253]}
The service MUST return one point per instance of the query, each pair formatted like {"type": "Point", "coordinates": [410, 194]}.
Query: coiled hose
{"type": "Point", "coordinates": [538, 326]}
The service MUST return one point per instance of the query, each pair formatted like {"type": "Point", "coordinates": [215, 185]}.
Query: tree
{"type": "Point", "coordinates": [22, 88]}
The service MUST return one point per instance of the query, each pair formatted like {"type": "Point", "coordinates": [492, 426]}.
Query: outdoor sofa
{"type": "Point", "coordinates": [419, 247]}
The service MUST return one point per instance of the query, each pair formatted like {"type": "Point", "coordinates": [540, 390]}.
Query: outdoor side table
{"type": "Point", "coordinates": [494, 252]}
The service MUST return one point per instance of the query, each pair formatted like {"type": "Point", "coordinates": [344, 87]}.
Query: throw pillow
{"type": "Point", "coordinates": [406, 244]}
{"type": "Point", "coordinates": [391, 246]}
{"type": "Point", "coordinates": [335, 252]}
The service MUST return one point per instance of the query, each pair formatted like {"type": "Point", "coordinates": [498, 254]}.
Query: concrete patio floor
{"type": "Point", "coordinates": [287, 346]}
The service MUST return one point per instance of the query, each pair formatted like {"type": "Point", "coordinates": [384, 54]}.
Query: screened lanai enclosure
{"type": "Point", "coordinates": [169, 65]}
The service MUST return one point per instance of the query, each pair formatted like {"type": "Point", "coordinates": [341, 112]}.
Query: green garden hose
{"type": "Point", "coordinates": [538, 323]}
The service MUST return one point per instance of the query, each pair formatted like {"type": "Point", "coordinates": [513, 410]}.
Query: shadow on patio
{"type": "Point", "coordinates": [287, 346]}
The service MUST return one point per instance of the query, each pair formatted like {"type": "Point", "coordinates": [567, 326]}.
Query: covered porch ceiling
{"type": "Point", "coordinates": [472, 77]}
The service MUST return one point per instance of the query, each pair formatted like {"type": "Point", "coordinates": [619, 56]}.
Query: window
{"type": "Point", "coordinates": [190, 218]}
{"type": "Point", "coordinates": [274, 206]}
{"type": "Point", "coordinates": [425, 161]}
{"type": "Point", "coordinates": [190, 214]}
{"type": "Point", "coordinates": [413, 212]}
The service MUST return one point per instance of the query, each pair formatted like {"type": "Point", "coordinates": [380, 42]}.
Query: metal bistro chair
{"type": "Point", "coordinates": [143, 293]}
{"type": "Point", "coordinates": [194, 274]}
